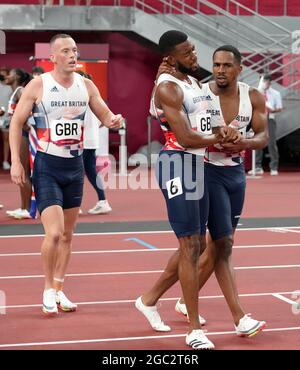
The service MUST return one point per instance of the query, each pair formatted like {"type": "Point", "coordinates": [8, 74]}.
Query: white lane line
{"type": "Point", "coordinates": [149, 250]}
{"type": "Point", "coordinates": [288, 230]}
{"type": "Point", "coordinates": [34, 344]}
{"type": "Point", "coordinates": [285, 299]}
{"type": "Point", "coordinates": [141, 272]}
{"type": "Point", "coordinates": [266, 267]}
{"type": "Point", "coordinates": [125, 301]}
{"type": "Point", "coordinates": [143, 232]}
{"type": "Point", "coordinates": [93, 234]}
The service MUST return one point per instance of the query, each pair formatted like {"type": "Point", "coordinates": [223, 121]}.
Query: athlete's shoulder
{"type": "Point", "coordinates": [256, 97]}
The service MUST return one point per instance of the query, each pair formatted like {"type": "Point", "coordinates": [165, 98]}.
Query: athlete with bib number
{"type": "Point", "coordinates": [234, 104]}
{"type": "Point", "coordinates": [58, 100]}
{"type": "Point", "coordinates": [179, 104]}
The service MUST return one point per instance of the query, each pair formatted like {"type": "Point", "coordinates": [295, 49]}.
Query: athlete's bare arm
{"type": "Point", "coordinates": [258, 125]}
{"type": "Point", "coordinates": [100, 109]}
{"type": "Point", "coordinates": [29, 97]}
{"type": "Point", "coordinates": [169, 97]}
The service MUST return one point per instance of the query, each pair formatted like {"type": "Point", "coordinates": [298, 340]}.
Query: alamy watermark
{"type": "Point", "coordinates": [177, 174]}
{"type": "Point", "coordinates": [2, 42]}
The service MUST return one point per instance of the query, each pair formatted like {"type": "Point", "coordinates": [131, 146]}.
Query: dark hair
{"type": "Point", "coordinates": [84, 74]}
{"type": "Point", "coordinates": [231, 49]}
{"type": "Point", "coordinates": [81, 73]}
{"type": "Point", "coordinates": [170, 39]}
{"type": "Point", "coordinates": [37, 69]}
{"type": "Point", "coordinates": [267, 77]}
{"type": "Point", "coordinates": [59, 36]}
{"type": "Point", "coordinates": [24, 77]}
{"type": "Point", "coordinates": [5, 70]}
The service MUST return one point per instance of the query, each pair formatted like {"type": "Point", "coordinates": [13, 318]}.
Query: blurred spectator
{"type": "Point", "coordinates": [5, 93]}
{"type": "Point", "coordinates": [37, 71]}
{"type": "Point", "coordinates": [273, 106]}
{"type": "Point", "coordinates": [90, 144]}
{"type": "Point", "coordinates": [18, 79]}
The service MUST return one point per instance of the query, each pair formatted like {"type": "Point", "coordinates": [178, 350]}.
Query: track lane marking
{"type": "Point", "coordinates": [140, 272]}
{"type": "Point", "coordinates": [126, 301]}
{"type": "Point", "coordinates": [145, 232]}
{"type": "Point", "coordinates": [148, 250]}
{"type": "Point", "coordinates": [99, 340]}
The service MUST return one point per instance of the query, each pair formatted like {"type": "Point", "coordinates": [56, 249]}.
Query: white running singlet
{"type": "Point", "coordinates": [195, 108]}
{"type": "Point", "coordinates": [215, 154]}
{"type": "Point", "coordinates": [59, 117]}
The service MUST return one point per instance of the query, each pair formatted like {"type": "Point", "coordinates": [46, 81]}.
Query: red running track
{"type": "Point", "coordinates": [109, 272]}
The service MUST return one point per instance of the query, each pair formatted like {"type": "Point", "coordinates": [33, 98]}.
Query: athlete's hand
{"type": "Point", "coordinates": [117, 121]}
{"type": "Point", "coordinates": [165, 67]}
{"type": "Point", "coordinates": [17, 173]}
{"type": "Point", "coordinates": [232, 135]}
{"type": "Point", "coordinates": [220, 133]}
{"type": "Point", "coordinates": [235, 147]}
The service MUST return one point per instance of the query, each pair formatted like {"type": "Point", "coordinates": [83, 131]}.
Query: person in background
{"type": "Point", "coordinates": [18, 79]}
{"type": "Point", "coordinates": [37, 71]}
{"type": "Point", "coordinates": [90, 144]}
{"type": "Point", "coordinates": [273, 105]}
{"type": "Point", "coordinates": [5, 93]}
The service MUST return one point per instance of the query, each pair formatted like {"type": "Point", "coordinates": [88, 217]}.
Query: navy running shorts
{"type": "Point", "coordinates": [180, 176]}
{"type": "Point", "coordinates": [57, 181]}
{"type": "Point", "coordinates": [226, 188]}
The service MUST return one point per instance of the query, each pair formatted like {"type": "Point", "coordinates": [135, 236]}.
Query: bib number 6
{"type": "Point", "coordinates": [174, 187]}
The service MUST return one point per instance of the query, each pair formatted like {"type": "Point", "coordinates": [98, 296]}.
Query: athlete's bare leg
{"type": "Point", "coordinates": [53, 221]}
{"type": "Point", "coordinates": [170, 276]}
{"type": "Point", "coordinates": [206, 262]}
{"type": "Point", "coordinates": [65, 246]}
{"type": "Point", "coordinates": [225, 275]}
{"type": "Point", "coordinates": [188, 266]}
{"type": "Point", "coordinates": [217, 257]}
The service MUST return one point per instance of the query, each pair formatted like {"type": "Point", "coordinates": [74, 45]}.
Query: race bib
{"type": "Point", "coordinates": [174, 187]}
{"type": "Point", "coordinates": [201, 122]}
{"type": "Point", "coordinates": [66, 132]}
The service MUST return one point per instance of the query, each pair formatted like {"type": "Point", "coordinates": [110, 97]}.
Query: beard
{"type": "Point", "coordinates": [181, 68]}
{"type": "Point", "coordinates": [222, 85]}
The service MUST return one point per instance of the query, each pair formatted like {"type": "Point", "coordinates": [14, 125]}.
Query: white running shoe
{"type": "Point", "coordinates": [23, 213]}
{"type": "Point", "coordinates": [198, 340]}
{"type": "Point", "coordinates": [64, 303]}
{"type": "Point", "coordinates": [249, 327]}
{"type": "Point", "coordinates": [49, 302]}
{"type": "Point", "coordinates": [11, 213]}
{"type": "Point", "coordinates": [258, 171]}
{"type": "Point", "coordinates": [152, 315]}
{"type": "Point", "coordinates": [1, 206]}
{"type": "Point", "coordinates": [274, 173]}
{"type": "Point", "coordinates": [101, 207]}
{"type": "Point", "coordinates": [181, 309]}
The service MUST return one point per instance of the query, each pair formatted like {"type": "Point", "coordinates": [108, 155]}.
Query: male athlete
{"type": "Point", "coordinates": [181, 108]}
{"type": "Point", "coordinates": [231, 104]}
{"type": "Point", "coordinates": [58, 100]}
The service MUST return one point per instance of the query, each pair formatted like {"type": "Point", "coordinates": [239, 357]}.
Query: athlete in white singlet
{"type": "Point", "coordinates": [234, 104]}
{"type": "Point", "coordinates": [178, 106]}
{"type": "Point", "coordinates": [59, 100]}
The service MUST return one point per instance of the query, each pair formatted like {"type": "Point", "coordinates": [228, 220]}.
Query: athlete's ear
{"type": "Point", "coordinates": [52, 58]}
{"type": "Point", "coordinates": [171, 60]}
